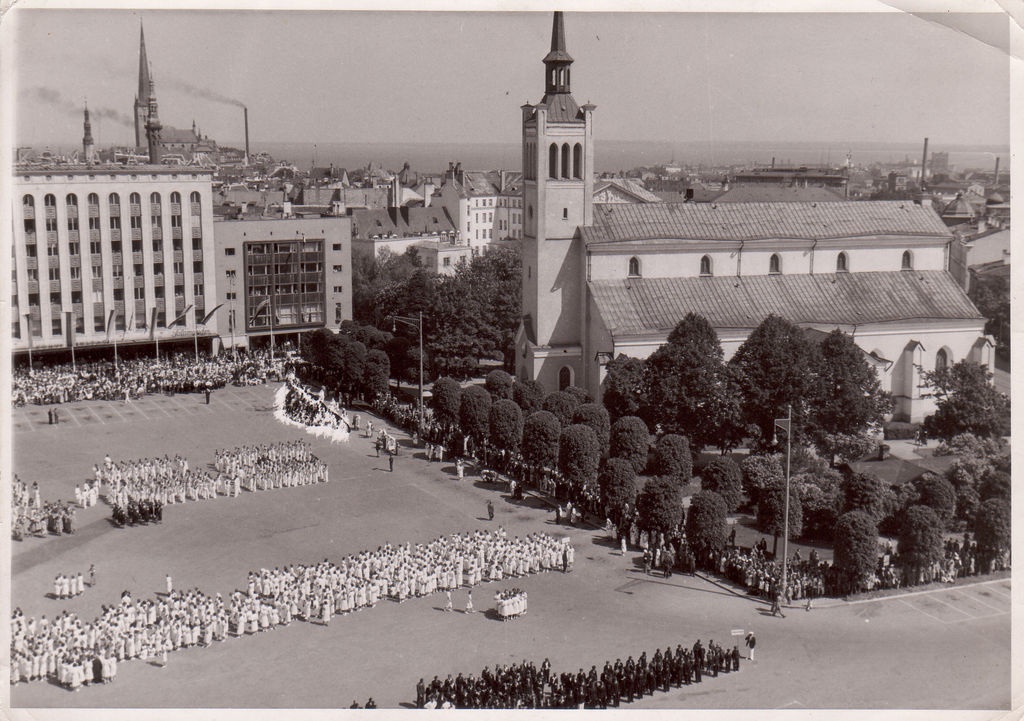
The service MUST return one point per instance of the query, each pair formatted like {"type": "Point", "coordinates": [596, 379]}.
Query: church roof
{"type": "Point", "coordinates": [754, 221]}
{"type": "Point", "coordinates": [628, 186]}
{"type": "Point", "coordinates": [562, 108]}
{"type": "Point", "coordinates": [639, 306]}
{"type": "Point", "coordinates": [762, 192]}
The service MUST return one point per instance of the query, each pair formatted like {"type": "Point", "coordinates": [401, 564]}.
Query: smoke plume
{"type": "Point", "coordinates": [53, 98]}
{"type": "Point", "coordinates": [203, 93]}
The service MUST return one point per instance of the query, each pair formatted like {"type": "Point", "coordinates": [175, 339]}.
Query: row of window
{"type": "Point", "coordinates": [50, 200]}
{"type": "Point", "coordinates": [774, 264]}
{"type": "Point", "coordinates": [562, 169]}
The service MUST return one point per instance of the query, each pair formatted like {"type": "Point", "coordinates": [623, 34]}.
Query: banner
{"type": "Point", "coordinates": [69, 327]}
{"type": "Point", "coordinates": [256, 312]}
{"type": "Point", "coordinates": [209, 315]}
{"type": "Point", "coordinates": [152, 323]}
{"type": "Point", "coordinates": [110, 322]}
{"type": "Point", "coordinates": [181, 318]}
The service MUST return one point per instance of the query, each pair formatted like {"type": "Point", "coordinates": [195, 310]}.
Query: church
{"type": "Point", "coordinates": [605, 279]}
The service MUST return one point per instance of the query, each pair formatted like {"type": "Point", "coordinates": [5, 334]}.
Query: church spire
{"type": "Point", "coordinates": [143, 66]}
{"type": "Point", "coordinates": [558, 60]}
{"type": "Point", "coordinates": [153, 126]}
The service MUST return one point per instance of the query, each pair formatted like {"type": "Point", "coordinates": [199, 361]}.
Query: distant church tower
{"type": "Point", "coordinates": [153, 126]}
{"type": "Point", "coordinates": [558, 191]}
{"type": "Point", "coordinates": [142, 96]}
{"type": "Point", "coordinates": [88, 151]}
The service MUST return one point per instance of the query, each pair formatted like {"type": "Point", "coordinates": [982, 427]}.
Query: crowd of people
{"type": "Point", "coordinates": [297, 406]}
{"type": "Point", "coordinates": [529, 686]}
{"type": "Point", "coordinates": [75, 652]}
{"type": "Point", "coordinates": [31, 516]}
{"type": "Point", "coordinates": [267, 466]}
{"type": "Point", "coordinates": [133, 378]}
{"type": "Point", "coordinates": [70, 585]}
{"type": "Point", "coordinates": [760, 575]}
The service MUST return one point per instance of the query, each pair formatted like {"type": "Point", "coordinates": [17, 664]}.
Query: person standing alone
{"type": "Point", "coordinates": [751, 641]}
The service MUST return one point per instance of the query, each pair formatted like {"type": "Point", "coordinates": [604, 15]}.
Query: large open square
{"type": "Point", "coordinates": [944, 649]}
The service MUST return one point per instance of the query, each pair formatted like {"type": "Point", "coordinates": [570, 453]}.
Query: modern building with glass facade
{"type": "Point", "coordinates": [106, 255]}
{"type": "Point", "coordinates": [278, 277]}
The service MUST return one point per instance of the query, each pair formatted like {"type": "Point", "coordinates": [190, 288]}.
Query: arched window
{"type": "Point", "coordinates": [114, 199]}
{"type": "Point", "coordinates": [842, 265]}
{"type": "Point", "coordinates": [705, 265]}
{"type": "Point", "coordinates": [775, 264]}
{"type": "Point", "coordinates": [565, 160]}
{"type": "Point", "coordinates": [553, 161]}
{"type": "Point", "coordinates": [942, 360]}
{"type": "Point", "coordinates": [194, 197]}
{"type": "Point", "coordinates": [154, 198]}
{"type": "Point", "coordinates": [577, 161]}
{"type": "Point", "coordinates": [564, 378]}
{"type": "Point", "coordinates": [634, 267]}
{"type": "Point", "coordinates": [94, 199]}
{"type": "Point", "coordinates": [176, 197]}
{"type": "Point", "coordinates": [28, 201]}
{"type": "Point", "coordinates": [50, 201]}
{"type": "Point", "coordinates": [135, 199]}
{"type": "Point", "coordinates": [908, 261]}
{"type": "Point", "coordinates": [72, 199]}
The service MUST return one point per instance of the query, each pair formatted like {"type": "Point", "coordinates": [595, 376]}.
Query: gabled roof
{"type": "Point", "coordinates": [639, 306]}
{"type": "Point", "coordinates": [753, 221]}
{"type": "Point", "coordinates": [402, 222]}
{"type": "Point", "coordinates": [762, 193]}
{"type": "Point", "coordinates": [628, 186]}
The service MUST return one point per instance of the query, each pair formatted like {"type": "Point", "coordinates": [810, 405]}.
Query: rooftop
{"type": "Point", "coordinates": [760, 221]}
{"type": "Point", "coordinates": [640, 306]}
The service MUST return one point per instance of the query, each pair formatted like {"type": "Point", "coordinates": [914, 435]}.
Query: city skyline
{"type": "Point", "coordinates": [461, 77]}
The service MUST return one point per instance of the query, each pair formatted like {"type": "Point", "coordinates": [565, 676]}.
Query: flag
{"type": "Point", "coordinates": [782, 423]}
{"type": "Point", "coordinates": [110, 322]}
{"type": "Point", "coordinates": [259, 307]}
{"type": "Point", "coordinates": [69, 321]}
{"type": "Point", "coordinates": [129, 323]}
{"type": "Point", "coordinates": [209, 315]}
{"type": "Point", "coordinates": [181, 318]}
{"type": "Point", "coordinates": [152, 323]}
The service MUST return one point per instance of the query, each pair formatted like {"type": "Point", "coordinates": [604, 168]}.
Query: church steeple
{"type": "Point", "coordinates": [153, 126]}
{"type": "Point", "coordinates": [558, 60]}
{"type": "Point", "coordinates": [141, 106]}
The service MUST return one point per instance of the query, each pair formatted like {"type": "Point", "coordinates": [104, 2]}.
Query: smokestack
{"type": "Point", "coordinates": [245, 110]}
{"type": "Point", "coordinates": [924, 162]}
{"type": "Point", "coordinates": [996, 181]}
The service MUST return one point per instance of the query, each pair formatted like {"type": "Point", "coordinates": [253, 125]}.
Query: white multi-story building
{"type": "Point", "coordinates": [106, 255]}
{"type": "Point", "coordinates": [485, 206]}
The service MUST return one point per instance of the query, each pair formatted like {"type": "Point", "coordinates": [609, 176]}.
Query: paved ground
{"type": "Point", "coordinates": [947, 649]}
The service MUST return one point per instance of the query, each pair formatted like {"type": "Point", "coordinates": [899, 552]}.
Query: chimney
{"type": "Point", "coordinates": [502, 175]}
{"type": "Point", "coordinates": [996, 180]}
{"type": "Point", "coordinates": [924, 163]}
{"type": "Point", "coordinates": [394, 193]}
{"type": "Point", "coordinates": [428, 192]}
{"type": "Point", "coordinates": [87, 144]}
{"type": "Point", "coordinates": [245, 110]}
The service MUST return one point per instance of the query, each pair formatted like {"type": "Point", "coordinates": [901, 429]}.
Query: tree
{"type": "Point", "coordinates": [579, 394]}
{"type": "Point", "coordinates": [821, 500]}
{"type": "Point", "coordinates": [625, 387]}
{"type": "Point", "coordinates": [529, 396]}
{"type": "Point", "coordinates": [966, 402]}
{"type": "Point", "coordinates": [563, 405]}
{"type": "Point", "coordinates": [659, 506]}
{"type": "Point", "coordinates": [595, 416]}
{"type": "Point", "coordinates": [618, 492]}
{"type": "Point", "coordinates": [475, 413]}
{"type": "Point", "coordinates": [937, 493]}
{"type": "Point", "coordinates": [499, 384]}
{"type": "Point", "coordinates": [771, 508]}
{"type": "Point", "coordinates": [847, 399]}
{"type": "Point", "coordinates": [541, 432]}
{"type": "Point", "coordinates": [865, 492]}
{"type": "Point", "coordinates": [705, 527]}
{"type": "Point", "coordinates": [775, 369]}
{"type": "Point", "coordinates": [506, 423]}
{"type": "Point", "coordinates": [723, 476]}
{"type": "Point", "coordinates": [761, 472]}
{"type": "Point", "coordinates": [316, 349]}
{"type": "Point", "coordinates": [991, 295]}
{"type": "Point", "coordinates": [920, 538]}
{"type": "Point", "coordinates": [376, 372]}
{"type": "Point", "coordinates": [631, 440]}
{"type": "Point", "coordinates": [992, 531]}
{"type": "Point", "coordinates": [446, 400]}
{"type": "Point", "coordinates": [855, 550]}
{"type": "Point", "coordinates": [687, 383]}
{"type": "Point", "coordinates": [579, 456]}
{"type": "Point", "coordinates": [349, 360]}
{"type": "Point", "coordinates": [672, 459]}
{"type": "Point", "coordinates": [373, 338]}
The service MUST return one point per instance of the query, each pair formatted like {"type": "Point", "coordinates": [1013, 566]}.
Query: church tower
{"type": "Point", "coordinates": [153, 126]}
{"type": "Point", "coordinates": [88, 151]}
{"type": "Point", "coordinates": [558, 190]}
{"type": "Point", "coordinates": [142, 95]}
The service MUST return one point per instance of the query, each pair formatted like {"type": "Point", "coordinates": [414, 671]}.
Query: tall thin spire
{"type": "Point", "coordinates": [558, 60]}
{"type": "Point", "coordinates": [87, 142]}
{"type": "Point", "coordinates": [143, 66]}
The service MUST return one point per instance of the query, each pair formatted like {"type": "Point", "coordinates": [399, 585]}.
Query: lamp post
{"type": "Point", "coordinates": [787, 425]}
{"type": "Point", "coordinates": [417, 323]}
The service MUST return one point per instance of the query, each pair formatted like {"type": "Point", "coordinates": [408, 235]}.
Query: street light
{"type": "Point", "coordinates": [786, 424]}
{"type": "Point", "coordinates": [417, 323]}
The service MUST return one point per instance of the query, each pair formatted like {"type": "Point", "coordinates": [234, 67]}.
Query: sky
{"type": "Point", "coordinates": [450, 77]}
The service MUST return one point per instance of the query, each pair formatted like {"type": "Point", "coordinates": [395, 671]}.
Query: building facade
{"type": "Point", "coordinates": [106, 255]}
{"type": "Point", "coordinates": [278, 278]}
{"type": "Point", "coordinates": [606, 279]}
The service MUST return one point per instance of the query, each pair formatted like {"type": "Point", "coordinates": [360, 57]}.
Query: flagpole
{"type": "Point", "coordinates": [785, 513]}
{"type": "Point", "coordinates": [28, 327]}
